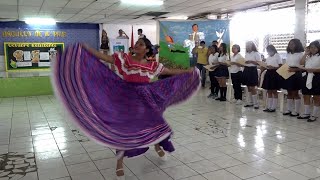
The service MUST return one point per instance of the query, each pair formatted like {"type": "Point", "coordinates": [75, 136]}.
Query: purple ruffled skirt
{"type": "Point", "coordinates": [118, 114]}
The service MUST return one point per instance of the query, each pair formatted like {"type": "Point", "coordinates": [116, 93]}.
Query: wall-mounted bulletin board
{"type": "Point", "coordinates": [30, 56]}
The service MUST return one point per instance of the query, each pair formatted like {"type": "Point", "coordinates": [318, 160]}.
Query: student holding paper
{"type": "Point", "coordinates": [213, 60]}
{"type": "Point", "coordinates": [271, 80]}
{"type": "Point", "coordinates": [222, 73]}
{"type": "Point", "coordinates": [236, 73]}
{"type": "Point", "coordinates": [294, 83]}
{"type": "Point", "coordinates": [250, 74]}
{"type": "Point", "coordinates": [311, 85]}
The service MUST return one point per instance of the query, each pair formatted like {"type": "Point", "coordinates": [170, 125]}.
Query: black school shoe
{"type": "Point", "coordinates": [269, 110]}
{"type": "Point", "coordinates": [223, 99]}
{"type": "Point", "coordinates": [304, 116]}
{"type": "Point", "coordinates": [294, 115]}
{"type": "Point", "coordinates": [248, 105]}
{"type": "Point", "coordinates": [312, 119]}
{"type": "Point", "coordinates": [287, 113]}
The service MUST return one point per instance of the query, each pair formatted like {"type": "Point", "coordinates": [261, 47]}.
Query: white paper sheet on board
{"type": "Point", "coordinates": [44, 64]}
{"type": "Point", "coordinates": [24, 64]}
{"type": "Point", "coordinates": [44, 56]}
{"type": "Point", "coordinates": [27, 55]}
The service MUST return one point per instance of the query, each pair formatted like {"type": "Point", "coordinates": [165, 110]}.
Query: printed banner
{"type": "Point", "coordinates": [119, 46]}
{"type": "Point", "coordinates": [30, 56]}
{"type": "Point", "coordinates": [178, 38]}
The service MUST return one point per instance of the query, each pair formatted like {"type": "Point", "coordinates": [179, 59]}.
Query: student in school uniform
{"type": "Point", "coordinates": [213, 60]}
{"type": "Point", "coordinates": [294, 83]}
{"type": "Point", "coordinates": [311, 81]}
{"type": "Point", "coordinates": [202, 53]}
{"type": "Point", "coordinates": [222, 73]}
{"type": "Point", "coordinates": [236, 73]}
{"type": "Point", "coordinates": [250, 74]}
{"type": "Point", "coordinates": [271, 81]}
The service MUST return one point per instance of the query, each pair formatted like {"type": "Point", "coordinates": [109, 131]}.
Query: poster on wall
{"type": "Point", "coordinates": [119, 45]}
{"type": "Point", "coordinates": [178, 38]}
{"type": "Point", "coordinates": [30, 56]}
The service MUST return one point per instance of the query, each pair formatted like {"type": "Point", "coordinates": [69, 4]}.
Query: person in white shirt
{"type": "Point", "coordinates": [213, 60]}
{"type": "Point", "coordinates": [140, 34]}
{"type": "Point", "coordinates": [236, 73]}
{"type": "Point", "coordinates": [250, 74]}
{"type": "Point", "coordinates": [122, 35]}
{"type": "Point", "coordinates": [222, 73]}
{"type": "Point", "coordinates": [294, 83]}
{"type": "Point", "coordinates": [311, 85]}
{"type": "Point", "coordinates": [194, 38]}
{"type": "Point", "coordinates": [272, 80]}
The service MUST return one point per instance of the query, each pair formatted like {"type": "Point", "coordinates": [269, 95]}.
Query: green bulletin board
{"type": "Point", "coordinates": [24, 56]}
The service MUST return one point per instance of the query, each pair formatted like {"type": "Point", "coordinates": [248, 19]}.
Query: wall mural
{"type": "Point", "coordinates": [178, 38]}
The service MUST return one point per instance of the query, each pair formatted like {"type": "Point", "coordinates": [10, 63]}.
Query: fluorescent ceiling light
{"type": "Point", "coordinates": [178, 17]}
{"type": "Point", "coordinates": [40, 21]}
{"type": "Point", "coordinates": [212, 16]}
{"type": "Point", "coordinates": [143, 2]}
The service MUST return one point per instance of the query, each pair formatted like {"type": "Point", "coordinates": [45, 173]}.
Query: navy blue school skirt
{"type": "Point", "coordinates": [250, 76]}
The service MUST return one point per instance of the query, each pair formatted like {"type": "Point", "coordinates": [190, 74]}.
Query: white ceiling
{"type": "Point", "coordinates": [112, 11]}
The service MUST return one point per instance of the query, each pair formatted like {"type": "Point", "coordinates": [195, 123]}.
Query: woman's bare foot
{"type": "Point", "coordinates": [119, 169]}
{"type": "Point", "coordinates": [160, 152]}
{"type": "Point", "coordinates": [158, 149]}
{"type": "Point", "coordinates": [120, 172]}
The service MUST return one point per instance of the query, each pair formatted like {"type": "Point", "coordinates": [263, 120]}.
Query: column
{"type": "Point", "coordinates": [301, 8]}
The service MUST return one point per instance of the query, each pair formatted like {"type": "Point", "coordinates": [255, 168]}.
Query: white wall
{"type": "Point", "coordinates": [149, 30]}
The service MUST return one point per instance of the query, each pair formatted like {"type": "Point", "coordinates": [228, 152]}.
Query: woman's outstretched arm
{"type": "Point", "coordinates": [107, 58]}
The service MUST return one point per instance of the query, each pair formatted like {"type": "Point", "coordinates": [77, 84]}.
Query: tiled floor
{"type": "Point", "coordinates": [214, 141]}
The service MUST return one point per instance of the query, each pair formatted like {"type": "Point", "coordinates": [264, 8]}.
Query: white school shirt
{"type": "Point", "coordinates": [313, 62]}
{"type": "Point", "coordinates": [252, 56]}
{"type": "Point", "coordinates": [141, 36]}
{"type": "Point", "coordinates": [235, 68]}
{"type": "Point", "coordinates": [274, 60]}
{"type": "Point", "coordinates": [223, 58]}
{"type": "Point", "coordinates": [293, 60]}
{"type": "Point", "coordinates": [213, 58]}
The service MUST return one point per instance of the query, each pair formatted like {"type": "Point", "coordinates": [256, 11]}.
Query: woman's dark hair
{"type": "Point", "coordinates": [272, 49]}
{"type": "Point", "coordinates": [253, 46]}
{"type": "Point", "coordinates": [298, 48]}
{"type": "Point", "coordinates": [224, 49]}
{"type": "Point", "coordinates": [237, 46]}
{"type": "Point", "coordinates": [149, 46]}
{"type": "Point", "coordinates": [317, 45]}
{"type": "Point", "coordinates": [215, 47]}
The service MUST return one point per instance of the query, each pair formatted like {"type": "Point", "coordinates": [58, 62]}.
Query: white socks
{"type": "Point", "coordinates": [315, 111]}
{"type": "Point", "coordinates": [270, 101]}
{"type": "Point", "coordinates": [307, 109]}
{"type": "Point", "coordinates": [274, 103]}
{"type": "Point", "coordinates": [297, 103]}
{"type": "Point", "coordinates": [249, 98]}
{"type": "Point", "coordinates": [255, 100]}
{"type": "Point", "coordinates": [289, 105]}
